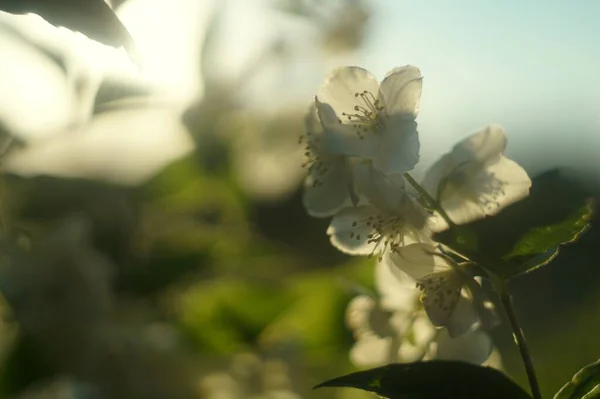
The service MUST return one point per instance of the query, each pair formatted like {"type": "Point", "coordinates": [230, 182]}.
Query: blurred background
{"type": "Point", "coordinates": [154, 240]}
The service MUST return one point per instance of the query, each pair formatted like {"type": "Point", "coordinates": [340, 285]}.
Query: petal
{"type": "Point", "coordinates": [397, 289]}
{"type": "Point", "coordinates": [505, 182]}
{"type": "Point", "coordinates": [423, 331]}
{"type": "Point", "coordinates": [417, 339]}
{"type": "Point", "coordinates": [409, 352]}
{"type": "Point", "coordinates": [438, 173]}
{"type": "Point", "coordinates": [350, 229]}
{"type": "Point", "coordinates": [124, 146]}
{"type": "Point", "coordinates": [401, 91]}
{"type": "Point", "coordinates": [371, 350]}
{"type": "Point", "coordinates": [475, 346]}
{"type": "Point", "coordinates": [461, 209]}
{"type": "Point", "coordinates": [462, 318]}
{"type": "Point", "coordinates": [336, 96]}
{"type": "Point", "coordinates": [357, 314]}
{"type": "Point", "coordinates": [398, 147]}
{"type": "Point", "coordinates": [418, 260]}
{"type": "Point", "coordinates": [341, 86]}
{"type": "Point", "coordinates": [483, 146]}
{"type": "Point", "coordinates": [327, 188]}
{"type": "Point", "coordinates": [342, 138]}
{"type": "Point", "coordinates": [40, 103]}
{"type": "Point", "coordinates": [385, 192]}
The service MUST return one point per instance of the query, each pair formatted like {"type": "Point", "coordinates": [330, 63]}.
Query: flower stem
{"type": "Point", "coordinates": [519, 337]}
{"type": "Point", "coordinates": [431, 202]}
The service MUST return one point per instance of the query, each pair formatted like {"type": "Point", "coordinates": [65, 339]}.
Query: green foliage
{"type": "Point", "coordinates": [541, 239]}
{"type": "Point", "coordinates": [23, 367]}
{"type": "Point", "coordinates": [528, 234]}
{"type": "Point", "coordinates": [585, 384]}
{"type": "Point", "coordinates": [432, 379]}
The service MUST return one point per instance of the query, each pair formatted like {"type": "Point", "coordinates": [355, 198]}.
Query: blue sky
{"type": "Point", "coordinates": [530, 66]}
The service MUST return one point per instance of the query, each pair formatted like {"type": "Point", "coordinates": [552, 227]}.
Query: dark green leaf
{"type": "Point", "coordinates": [541, 239]}
{"type": "Point", "coordinates": [527, 235]}
{"type": "Point", "coordinates": [23, 367]}
{"type": "Point", "coordinates": [432, 380]}
{"type": "Point", "coordinates": [585, 384]}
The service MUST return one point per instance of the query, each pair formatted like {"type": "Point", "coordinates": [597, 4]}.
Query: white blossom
{"type": "Point", "coordinates": [451, 296]}
{"type": "Point", "coordinates": [368, 230]}
{"type": "Point", "coordinates": [395, 328]}
{"type": "Point", "coordinates": [476, 179]}
{"type": "Point", "coordinates": [365, 119]}
{"type": "Point", "coordinates": [328, 186]}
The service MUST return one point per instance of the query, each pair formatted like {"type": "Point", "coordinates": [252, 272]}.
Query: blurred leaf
{"type": "Point", "coordinates": [227, 315]}
{"type": "Point", "coordinates": [527, 234]}
{"type": "Point", "coordinates": [22, 368]}
{"type": "Point", "coordinates": [585, 384]}
{"type": "Point", "coordinates": [316, 317]}
{"type": "Point", "coordinates": [437, 379]}
{"type": "Point", "coordinates": [93, 18]}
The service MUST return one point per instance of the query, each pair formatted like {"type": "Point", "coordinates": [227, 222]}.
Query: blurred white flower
{"type": "Point", "coordinates": [475, 179]}
{"type": "Point", "coordinates": [52, 75]}
{"type": "Point", "coordinates": [365, 119]}
{"type": "Point", "coordinates": [395, 328]}
{"type": "Point", "coordinates": [451, 297]}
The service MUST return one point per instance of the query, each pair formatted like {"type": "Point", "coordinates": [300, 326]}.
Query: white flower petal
{"type": "Point", "coordinates": [401, 91]}
{"type": "Point", "coordinates": [371, 350]}
{"type": "Point", "coordinates": [409, 352]}
{"type": "Point", "coordinates": [437, 173]}
{"type": "Point", "coordinates": [423, 331]}
{"type": "Point", "coordinates": [350, 229]}
{"type": "Point", "coordinates": [475, 346]}
{"type": "Point", "coordinates": [475, 179]}
{"type": "Point", "coordinates": [483, 146]}
{"type": "Point", "coordinates": [357, 314]}
{"type": "Point", "coordinates": [385, 192]}
{"type": "Point", "coordinates": [398, 147]}
{"type": "Point", "coordinates": [417, 339]}
{"type": "Point", "coordinates": [507, 183]}
{"type": "Point", "coordinates": [342, 138]}
{"type": "Point", "coordinates": [460, 209]}
{"type": "Point", "coordinates": [340, 88]}
{"type": "Point", "coordinates": [462, 318]}
{"type": "Point", "coordinates": [397, 289]}
{"type": "Point", "coordinates": [337, 96]}
{"type": "Point", "coordinates": [418, 260]}
{"type": "Point", "coordinates": [328, 192]}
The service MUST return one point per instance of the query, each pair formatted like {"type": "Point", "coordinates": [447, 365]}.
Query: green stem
{"type": "Point", "coordinates": [433, 204]}
{"type": "Point", "coordinates": [519, 337]}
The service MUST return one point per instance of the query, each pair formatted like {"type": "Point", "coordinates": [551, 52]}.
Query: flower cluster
{"type": "Point", "coordinates": [361, 143]}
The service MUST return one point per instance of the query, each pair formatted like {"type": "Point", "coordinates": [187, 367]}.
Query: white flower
{"type": "Point", "coordinates": [365, 119]}
{"type": "Point", "coordinates": [451, 297]}
{"type": "Point", "coordinates": [474, 346]}
{"type": "Point", "coordinates": [329, 182]}
{"type": "Point", "coordinates": [368, 230]}
{"type": "Point", "coordinates": [475, 179]}
{"type": "Point", "coordinates": [394, 327]}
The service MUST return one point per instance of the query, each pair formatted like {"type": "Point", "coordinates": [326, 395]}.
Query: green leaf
{"type": "Point", "coordinates": [585, 384]}
{"type": "Point", "coordinates": [526, 235]}
{"type": "Point", "coordinates": [541, 239]}
{"type": "Point", "coordinates": [432, 380]}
